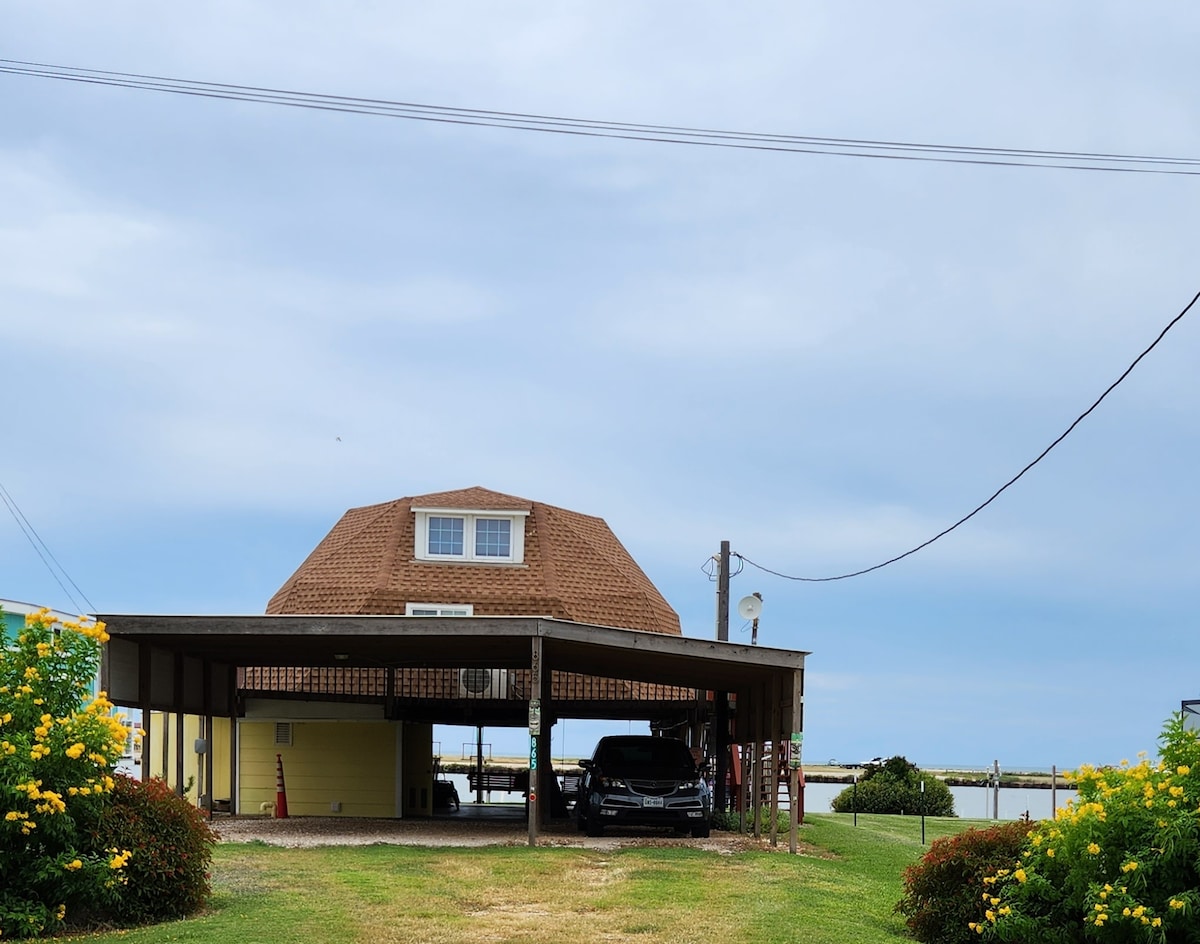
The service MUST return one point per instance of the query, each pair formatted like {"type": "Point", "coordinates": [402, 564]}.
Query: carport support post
{"type": "Point", "coordinates": [794, 759]}
{"type": "Point", "coordinates": [535, 738]}
{"type": "Point", "coordinates": [776, 755]}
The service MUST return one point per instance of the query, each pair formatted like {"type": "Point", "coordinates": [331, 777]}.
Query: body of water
{"type": "Point", "coordinates": [969, 802]}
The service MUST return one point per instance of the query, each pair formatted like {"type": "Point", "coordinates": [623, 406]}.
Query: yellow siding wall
{"type": "Point", "coordinates": [152, 763]}
{"type": "Point", "coordinates": [351, 763]}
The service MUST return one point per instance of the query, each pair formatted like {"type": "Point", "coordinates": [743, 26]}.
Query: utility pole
{"type": "Point", "coordinates": [721, 706]}
{"type": "Point", "coordinates": [723, 593]}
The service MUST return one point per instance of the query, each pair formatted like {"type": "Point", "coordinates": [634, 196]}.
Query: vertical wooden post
{"type": "Point", "coordinates": [234, 761]}
{"type": "Point", "coordinates": [535, 737]}
{"type": "Point", "coordinates": [144, 704]}
{"type": "Point", "coordinates": [760, 754]}
{"type": "Point", "coordinates": [777, 743]}
{"type": "Point", "coordinates": [794, 758]}
{"type": "Point", "coordinates": [177, 702]}
{"type": "Point", "coordinates": [207, 677]}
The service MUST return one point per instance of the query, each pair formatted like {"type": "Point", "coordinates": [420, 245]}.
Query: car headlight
{"type": "Point", "coordinates": [689, 784]}
{"type": "Point", "coordinates": [609, 782]}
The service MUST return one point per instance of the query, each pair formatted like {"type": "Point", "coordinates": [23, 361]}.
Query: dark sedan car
{"type": "Point", "coordinates": [640, 780]}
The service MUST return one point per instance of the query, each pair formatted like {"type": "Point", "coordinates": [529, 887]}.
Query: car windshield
{"type": "Point", "coordinates": [647, 753]}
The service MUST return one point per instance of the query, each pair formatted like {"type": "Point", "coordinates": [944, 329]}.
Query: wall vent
{"type": "Point", "coordinates": [283, 734]}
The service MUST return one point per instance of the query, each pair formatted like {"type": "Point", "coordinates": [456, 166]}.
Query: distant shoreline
{"type": "Point", "coordinates": [816, 773]}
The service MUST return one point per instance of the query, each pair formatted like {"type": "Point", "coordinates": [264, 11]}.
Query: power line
{"type": "Point", "coordinates": [656, 133]}
{"type": "Point", "coordinates": [42, 550]}
{"type": "Point", "coordinates": [941, 534]}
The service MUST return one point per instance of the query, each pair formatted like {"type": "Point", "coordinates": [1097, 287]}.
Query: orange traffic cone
{"type": "Point", "coordinates": [280, 791]}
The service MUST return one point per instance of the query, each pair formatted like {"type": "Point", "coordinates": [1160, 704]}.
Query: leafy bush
{"type": "Point", "coordinates": [895, 787]}
{"type": "Point", "coordinates": [58, 748]}
{"type": "Point", "coordinates": [943, 892]}
{"type": "Point", "coordinates": [172, 849]}
{"type": "Point", "coordinates": [1120, 863]}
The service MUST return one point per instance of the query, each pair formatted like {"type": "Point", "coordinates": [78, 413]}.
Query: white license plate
{"type": "Point", "coordinates": [652, 801]}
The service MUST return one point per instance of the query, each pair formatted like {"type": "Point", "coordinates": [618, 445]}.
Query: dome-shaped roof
{"type": "Point", "coordinates": [574, 568]}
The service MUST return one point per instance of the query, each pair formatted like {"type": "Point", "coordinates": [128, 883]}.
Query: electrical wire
{"type": "Point", "coordinates": [963, 520]}
{"type": "Point", "coordinates": [42, 550]}
{"type": "Point", "coordinates": [662, 134]}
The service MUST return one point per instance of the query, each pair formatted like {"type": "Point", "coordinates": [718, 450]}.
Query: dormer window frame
{"type": "Point", "coordinates": [472, 550]}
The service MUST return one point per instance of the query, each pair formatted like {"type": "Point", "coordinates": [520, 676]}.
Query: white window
{"type": "Point", "coordinates": [439, 609]}
{"type": "Point", "coordinates": [474, 536]}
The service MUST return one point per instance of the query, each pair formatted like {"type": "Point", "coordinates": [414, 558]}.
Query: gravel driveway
{"type": "Point", "coordinates": [303, 831]}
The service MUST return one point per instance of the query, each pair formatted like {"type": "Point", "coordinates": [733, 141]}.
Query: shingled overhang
{"type": "Point", "coordinates": [574, 568]}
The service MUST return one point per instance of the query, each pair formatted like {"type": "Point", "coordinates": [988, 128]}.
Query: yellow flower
{"type": "Point", "coordinates": [73, 866]}
{"type": "Point", "coordinates": [1093, 848]}
{"type": "Point", "coordinates": [12, 816]}
{"type": "Point", "coordinates": [75, 751]}
{"type": "Point", "coordinates": [1156, 922]}
{"type": "Point", "coordinates": [1049, 853]}
{"type": "Point", "coordinates": [1020, 874]}
{"type": "Point", "coordinates": [1176, 903]}
{"type": "Point", "coordinates": [1129, 867]}
{"type": "Point", "coordinates": [1183, 770]}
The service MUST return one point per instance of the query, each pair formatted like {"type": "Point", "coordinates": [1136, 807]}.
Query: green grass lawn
{"type": "Point", "coordinates": [841, 888]}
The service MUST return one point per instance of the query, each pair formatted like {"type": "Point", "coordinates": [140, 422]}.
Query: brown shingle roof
{"type": "Point", "coordinates": [574, 568]}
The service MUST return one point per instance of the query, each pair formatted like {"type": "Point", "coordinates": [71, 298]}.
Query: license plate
{"type": "Point", "coordinates": [652, 801]}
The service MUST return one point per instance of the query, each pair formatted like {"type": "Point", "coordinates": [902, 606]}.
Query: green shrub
{"type": "Point", "coordinates": [943, 892]}
{"type": "Point", "coordinates": [171, 842]}
{"type": "Point", "coordinates": [895, 787]}
{"type": "Point", "coordinates": [1120, 863]}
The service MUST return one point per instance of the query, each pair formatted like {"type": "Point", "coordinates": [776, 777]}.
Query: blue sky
{"type": "Point", "coordinates": [224, 323]}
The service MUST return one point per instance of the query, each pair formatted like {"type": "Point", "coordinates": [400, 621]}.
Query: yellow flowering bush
{"type": "Point", "coordinates": [1120, 863]}
{"type": "Point", "coordinates": [59, 744]}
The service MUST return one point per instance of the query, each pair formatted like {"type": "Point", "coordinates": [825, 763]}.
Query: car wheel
{"type": "Point", "coordinates": [701, 832]}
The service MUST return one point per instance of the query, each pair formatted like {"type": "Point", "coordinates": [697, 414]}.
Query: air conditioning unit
{"type": "Point", "coordinates": [482, 683]}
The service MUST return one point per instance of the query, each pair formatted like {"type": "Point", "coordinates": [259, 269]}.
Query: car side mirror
{"type": "Point", "coordinates": [585, 764]}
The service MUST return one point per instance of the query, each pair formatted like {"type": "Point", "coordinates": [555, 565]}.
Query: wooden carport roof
{"type": "Point", "coordinates": [144, 649]}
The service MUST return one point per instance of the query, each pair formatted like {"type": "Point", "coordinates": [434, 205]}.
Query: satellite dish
{"type": "Point", "coordinates": [750, 607]}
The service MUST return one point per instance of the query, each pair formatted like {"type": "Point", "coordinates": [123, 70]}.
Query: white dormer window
{"type": "Point", "coordinates": [444, 534]}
